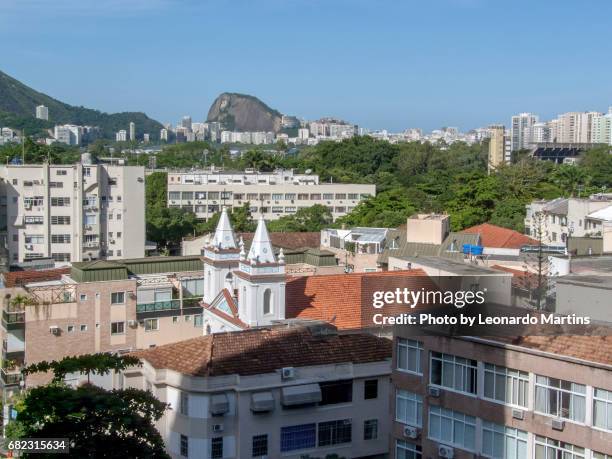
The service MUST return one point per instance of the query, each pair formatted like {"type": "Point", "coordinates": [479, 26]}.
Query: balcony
{"type": "Point", "coordinates": [10, 376]}
{"type": "Point", "coordinates": [158, 306]}
{"type": "Point", "coordinates": [12, 320]}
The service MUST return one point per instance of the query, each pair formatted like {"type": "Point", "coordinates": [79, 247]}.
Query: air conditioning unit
{"type": "Point", "coordinates": [287, 373]}
{"type": "Point", "coordinates": [54, 329]}
{"type": "Point", "coordinates": [518, 414]}
{"type": "Point", "coordinates": [132, 323]}
{"type": "Point", "coordinates": [29, 247]}
{"type": "Point", "coordinates": [433, 391]}
{"type": "Point", "coordinates": [558, 424]}
{"type": "Point", "coordinates": [411, 432]}
{"type": "Point", "coordinates": [446, 451]}
{"type": "Point", "coordinates": [217, 428]}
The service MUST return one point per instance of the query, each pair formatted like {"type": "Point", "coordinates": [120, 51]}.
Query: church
{"type": "Point", "coordinates": [242, 290]}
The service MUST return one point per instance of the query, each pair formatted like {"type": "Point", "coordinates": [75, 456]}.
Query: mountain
{"type": "Point", "coordinates": [18, 106]}
{"type": "Point", "coordinates": [241, 112]}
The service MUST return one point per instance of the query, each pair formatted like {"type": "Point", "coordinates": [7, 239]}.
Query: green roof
{"type": "Point", "coordinates": [106, 270]}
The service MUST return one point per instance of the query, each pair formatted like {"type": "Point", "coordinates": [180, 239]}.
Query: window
{"type": "Point", "coordinates": [601, 456]}
{"type": "Point", "coordinates": [34, 239]}
{"type": "Point", "coordinates": [117, 297]}
{"type": "Point", "coordinates": [216, 448]}
{"type": "Point", "coordinates": [408, 408]}
{"type": "Point", "coordinates": [298, 437]}
{"type": "Point", "coordinates": [563, 399]}
{"type": "Point", "coordinates": [289, 196]}
{"type": "Point", "coordinates": [117, 328]}
{"type": "Point", "coordinates": [548, 448]}
{"type": "Point", "coordinates": [277, 196]}
{"type": "Point", "coordinates": [30, 201]}
{"type": "Point", "coordinates": [260, 445]}
{"type": "Point", "coordinates": [61, 172]}
{"type": "Point", "coordinates": [226, 195]}
{"type": "Point", "coordinates": [174, 195]}
{"type": "Point", "coordinates": [90, 219]}
{"type": "Point", "coordinates": [406, 450]}
{"type": "Point", "coordinates": [452, 427]}
{"type": "Point", "coordinates": [252, 196]}
{"type": "Point", "coordinates": [60, 202]}
{"type": "Point", "coordinates": [501, 442]}
{"type": "Point", "coordinates": [602, 409]}
{"type": "Point", "coordinates": [370, 429]}
{"type": "Point", "coordinates": [36, 220]}
{"type": "Point", "coordinates": [184, 403]}
{"type": "Point", "coordinates": [83, 297]}
{"type": "Point", "coordinates": [184, 446]}
{"type": "Point", "coordinates": [353, 196]}
{"type": "Point", "coordinates": [60, 220]}
{"type": "Point", "coordinates": [267, 301]}
{"type": "Point", "coordinates": [197, 320]}
{"type": "Point", "coordinates": [315, 197]}
{"type": "Point", "coordinates": [340, 196]}
{"type": "Point", "coordinates": [213, 195]}
{"type": "Point", "coordinates": [336, 392]}
{"type": "Point", "coordinates": [151, 324]}
{"type": "Point", "coordinates": [335, 432]}
{"type": "Point", "coordinates": [83, 328]}
{"type": "Point", "coordinates": [187, 195]}
{"type": "Point", "coordinates": [506, 385]}
{"type": "Point", "coordinates": [453, 372]}
{"type": "Point", "coordinates": [409, 355]}
{"type": "Point", "coordinates": [370, 389]}
{"type": "Point", "coordinates": [60, 238]}
{"type": "Point", "coordinates": [60, 256]}
{"type": "Point", "coordinates": [70, 328]}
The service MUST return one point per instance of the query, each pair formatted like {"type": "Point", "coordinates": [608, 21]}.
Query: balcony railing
{"type": "Point", "coordinates": [11, 377]}
{"type": "Point", "coordinates": [13, 320]}
{"type": "Point", "coordinates": [158, 306]}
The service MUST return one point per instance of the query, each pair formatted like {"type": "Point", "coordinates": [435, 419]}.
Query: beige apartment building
{"type": "Point", "coordinates": [72, 213]}
{"type": "Point", "coordinates": [98, 306]}
{"type": "Point", "coordinates": [269, 194]}
{"type": "Point", "coordinates": [532, 397]}
{"type": "Point", "coordinates": [497, 147]}
{"type": "Point", "coordinates": [291, 392]}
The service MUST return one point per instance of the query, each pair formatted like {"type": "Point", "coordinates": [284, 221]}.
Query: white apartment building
{"type": "Point", "coordinates": [601, 129]}
{"type": "Point", "coordinates": [270, 194]}
{"type": "Point", "coordinates": [290, 392]}
{"type": "Point", "coordinates": [132, 131]}
{"type": "Point", "coordinates": [121, 136]}
{"type": "Point", "coordinates": [561, 218]}
{"type": "Point", "coordinates": [163, 134]}
{"type": "Point", "coordinates": [521, 130]}
{"type": "Point", "coordinates": [575, 127]}
{"type": "Point", "coordinates": [42, 112]}
{"type": "Point", "coordinates": [73, 212]}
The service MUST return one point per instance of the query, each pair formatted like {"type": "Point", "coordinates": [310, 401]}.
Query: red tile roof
{"type": "Point", "coordinates": [345, 300]}
{"type": "Point", "coordinates": [292, 240]}
{"type": "Point", "coordinates": [265, 350]}
{"type": "Point", "coordinates": [21, 278]}
{"type": "Point", "coordinates": [499, 237]}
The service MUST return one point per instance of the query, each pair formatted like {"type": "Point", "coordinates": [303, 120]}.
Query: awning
{"type": "Point", "coordinates": [262, 402]}
{"type": "Point", "coordinates": [300, 395]}
{"type": "Point", "coordinates": [219, 404]}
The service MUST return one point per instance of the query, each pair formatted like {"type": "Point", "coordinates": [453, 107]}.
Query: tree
{"type": "Point", "coordinates": [168, 225]}
{"type": "Point", "coordinates": [310, 219]}
{"type": "Point", "coordinates": [387, 209]}
{"type": "Point", "coordinates": [97, 422]}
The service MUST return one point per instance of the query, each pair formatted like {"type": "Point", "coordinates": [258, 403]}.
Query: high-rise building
{"type": "Point", "coordinates": [146, 137]}
{"type": "Point", "coordinates": [601, 129]}
{"type": "Point", "coordinates": [496, 146]}
{"type": "Point", "coordinates": [163, 134]}
{"type": "Point", "coordinates": [540, 133]}
{"type": "Point", "coordinates": [121, 136]}
{"type": "Point", "coordinates": [186, 122]}
{"type": "Point", "coordinates": [521, 130]}
{"type": "Point", "coordinates": [132, 131]}
{"type": "Point", "coordinates": [73, 212]}
{"type": "Point", "coordinates": [42, 112]}
{"type": "Point", "coordinates": [576, 127]}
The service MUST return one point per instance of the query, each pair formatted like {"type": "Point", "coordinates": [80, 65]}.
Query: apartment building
{"type": "Point", "coordinates": [522, 130]}
{"type": "Point", "coordinates": [73, 212]}
{"type": "Point", "coordinates": [561, 218]}
{"type": "Point", "coordinates": [496, 147]}
{"type": "Point", "coordinates": [98, 306]}
{"type": "Point", "coordinates": [271, 195]}
{"type": "Point", "coordinates": [291, 392]}
{"type": "Point", "coordinates": [531, 397]}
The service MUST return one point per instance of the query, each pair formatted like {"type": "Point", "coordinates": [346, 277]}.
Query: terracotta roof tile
{"type": "Point", "coordinates": [499, 237]}
{"type": "Point", "coordinates": [345, 300]}
{"type": "Point", "coordinates": [21, 278]}
{"type": "Point", "coordinates": [292, 240]}
{"type": "Point", "coordinates": [597, 349]}
{"type": "Point", "coordinates": [265, 350]}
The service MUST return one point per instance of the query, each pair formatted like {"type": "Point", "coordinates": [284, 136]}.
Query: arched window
{"type": "Point", "coordinates": [229, 282]}
{"type": "Point", "coordinates": [267, 301]}
{"type": "Point", "coordinates": [209, 284]}
{"type": "Point", "coordinates": [208, 329]}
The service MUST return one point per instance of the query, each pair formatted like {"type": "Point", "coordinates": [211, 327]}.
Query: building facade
{"type": "Point", "coordinates": [73, 212]}
{"type": "Point", "coordinates": [316, 393]}
{"type": "Point", "coordinates": [496, 147]}
{"type": "Point", "coordinates": [522, 130]}
{"type": "Point", "coordinates": [542, 397]}
{"type": "Point", "coordinates": [271, 195]}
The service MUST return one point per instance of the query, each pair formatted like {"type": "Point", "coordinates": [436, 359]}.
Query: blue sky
{"type": "Point", "coordinates": [378, 63]}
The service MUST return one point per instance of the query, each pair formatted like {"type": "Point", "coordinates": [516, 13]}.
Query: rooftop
{"type": "Point", "coordinates": [21, 278]}
{"type": "Point", "coordinates": [499, 237]}
{"type": "Point", "coordinates": [345, 300]}
{"type": "Point", "coordinates": [454, 266]}
{"type": "Point", "coordinates": [265, 350]}
{"type": "Point", "coordinates": [602, 214]}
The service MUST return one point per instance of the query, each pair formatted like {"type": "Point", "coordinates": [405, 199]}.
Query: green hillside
{"type": "Point", "coordinates": [18, 105]}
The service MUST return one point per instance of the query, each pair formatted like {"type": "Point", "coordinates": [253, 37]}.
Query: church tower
{"type": "Point", "coordinates": [221, 258]}
{"type": "Point", "coordinates": [260, 281]}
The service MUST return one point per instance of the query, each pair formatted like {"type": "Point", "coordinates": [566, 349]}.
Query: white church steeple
{"type": "Point", "coordinates": [224, 234]}
{"type": "Point", "coordinates": [261, 247]}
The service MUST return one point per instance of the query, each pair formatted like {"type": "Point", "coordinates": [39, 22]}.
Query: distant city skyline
{"type": "Point", "coordinates": [382, 65]}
